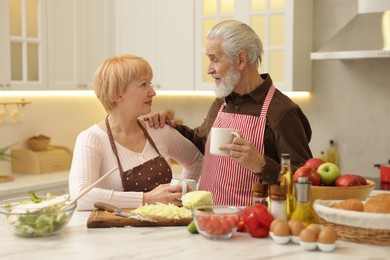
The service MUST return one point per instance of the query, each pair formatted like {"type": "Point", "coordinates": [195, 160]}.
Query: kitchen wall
{"type": "Point", "coordinates": [349, 103]}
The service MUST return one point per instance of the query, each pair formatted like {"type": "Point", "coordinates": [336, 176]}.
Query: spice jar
{"type": "Point", "coordinates": [278, 197]}
{"type": "Point", "coordinates": [260, 193]}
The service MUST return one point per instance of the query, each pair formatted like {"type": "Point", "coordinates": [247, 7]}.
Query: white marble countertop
{"type": "Point", "coordinates": [76, 241]}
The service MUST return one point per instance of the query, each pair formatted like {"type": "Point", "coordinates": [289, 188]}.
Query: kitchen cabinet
{"type": "Point", "coordinates": [5, 81]}
{"type": "Point", "coordinates": [56, 44]}
{"type": "Point", "coordinates": [162, 33]}
{"type": "Point", "coordinates": [22, 45]}
{"type": "Point", "coordinates": [285, 28]}
{"type": "Point", "coordinates": [80, 37]}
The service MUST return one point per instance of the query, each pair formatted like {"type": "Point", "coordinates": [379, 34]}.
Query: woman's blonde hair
{"type": "Point", "coordinates": [115, 74]}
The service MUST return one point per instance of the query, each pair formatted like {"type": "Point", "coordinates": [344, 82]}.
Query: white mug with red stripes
{"type": "Point", "coordinates": [220, 136]}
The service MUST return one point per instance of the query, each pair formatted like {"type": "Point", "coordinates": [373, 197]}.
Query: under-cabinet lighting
{"type": "Point", "coordinates": [91, 93]}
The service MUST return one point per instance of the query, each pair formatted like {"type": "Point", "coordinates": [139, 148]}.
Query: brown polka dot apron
{"type": "Point", "coordinates": [228, 181]}
{"type": "Point", "coordinates": [144, 177]}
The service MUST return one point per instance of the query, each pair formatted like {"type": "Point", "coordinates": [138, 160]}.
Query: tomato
{"type": "Point", "coordinates": [217, 225]}
{"type": "Point", "coordinates": [214, 223]}
{"type": "Point", "coordinates": [202, 221]}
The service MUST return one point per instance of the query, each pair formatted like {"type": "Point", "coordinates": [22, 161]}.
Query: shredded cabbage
{"type": "Point", "coordinates": [164, 210]}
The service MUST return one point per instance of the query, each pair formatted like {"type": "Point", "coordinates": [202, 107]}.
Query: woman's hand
{"type": "Point", "coordinates": [164, 193]}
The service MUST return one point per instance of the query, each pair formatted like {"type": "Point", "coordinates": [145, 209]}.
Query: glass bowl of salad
{"type": "Point", "coordinates": [36, 216]}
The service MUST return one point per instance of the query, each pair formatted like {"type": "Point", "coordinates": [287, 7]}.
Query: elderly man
{"type": "Point", "coordinates": [269, 122]}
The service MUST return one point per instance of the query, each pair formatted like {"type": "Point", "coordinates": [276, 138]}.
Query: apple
{"type": "Point", "coordinates": [350, 180]}
{"type": "Point", "coordinates": [314, 162]}
{"type": "Point", "coordinates": [329, 172]}
{"type": "Point", "coordinates": [309, 172]}
{"type": "Point", "coordinates": [362, 180]}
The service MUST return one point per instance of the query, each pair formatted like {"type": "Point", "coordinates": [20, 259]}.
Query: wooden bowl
{"type": "Point", "coordinates": [340, 193]}
{"type": "Point", "coordinates": [38, 143]}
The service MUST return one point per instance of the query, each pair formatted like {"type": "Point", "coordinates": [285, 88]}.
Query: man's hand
{"type": "Point", "coordinates": [245, 153]}
{"type": "Point", "coordinates": [159, 119]}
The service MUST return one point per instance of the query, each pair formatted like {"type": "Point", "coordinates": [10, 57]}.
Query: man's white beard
{"type": "Point", "coordinates": [227, 83]}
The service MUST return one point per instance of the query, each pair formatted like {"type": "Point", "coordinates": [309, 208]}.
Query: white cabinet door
{"type": "Point", "coordinates": [22, 45]}
{"type": "Point", "coordinates": [285, 28]}
{"type": "Point", "coordinates": [80, 35]}
{"type": "Point", "coordinates": [63, 51]}
{"type": "Point", "coordinates": [5, 80]}
{"type": "Point", "coordinates": [161, 32]}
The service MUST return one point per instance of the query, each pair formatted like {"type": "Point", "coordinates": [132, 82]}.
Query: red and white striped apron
{"type": "Point", "coordinates": [231, 183]}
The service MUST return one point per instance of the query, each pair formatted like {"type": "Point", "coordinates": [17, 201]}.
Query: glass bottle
{"type": "Point", "coordinates": [303, 210]}
{"type": "Point", "coordinates": [260, 192]}
{"type": "Point", "coordinates": [331, 153]}
{"type": "Point", "coordinates": [278, 203]}
{"type": "Point", "coordinates": [286, 179]}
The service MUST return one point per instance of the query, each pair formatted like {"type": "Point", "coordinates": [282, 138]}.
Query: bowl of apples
{"type": "Point", "coordinates": [329, 184]}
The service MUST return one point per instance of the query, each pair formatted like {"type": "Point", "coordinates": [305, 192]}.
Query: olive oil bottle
{"type": "Point", "coordinates": [303, 209]}
{"type": "Point", "coordinates": [332, 154]}
{"type": "Point", "coordinates": [286, 179]}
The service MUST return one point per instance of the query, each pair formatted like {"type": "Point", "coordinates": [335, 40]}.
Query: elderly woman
{"type": "Point", "coordinates": [123, 86]}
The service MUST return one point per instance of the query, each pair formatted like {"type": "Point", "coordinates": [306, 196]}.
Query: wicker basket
{"type": "Point", "coordinates": [362, 235]}
{"type": "Point", "coordinates": [360, 227]}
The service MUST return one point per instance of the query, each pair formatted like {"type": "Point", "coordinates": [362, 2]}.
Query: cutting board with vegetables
{"type": "Point", "coordinates": [105, 219]}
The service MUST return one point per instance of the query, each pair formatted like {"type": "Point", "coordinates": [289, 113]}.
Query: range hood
{"type": "Point", "coordinates": [372, 18]}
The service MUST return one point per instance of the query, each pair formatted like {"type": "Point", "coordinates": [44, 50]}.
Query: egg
{"type": "Point", "coordinates": [315, 228]}
{"type": "Point", "coordinates": [296, 227]}
{"type": "Point", "coordinates": [274, 223]}
{"type": "Point", "coordinates": [327, 236]}
{"type": "Point", "coordinates": [281, 229]}
{"type": "Point", "coordinates": [308, 235]}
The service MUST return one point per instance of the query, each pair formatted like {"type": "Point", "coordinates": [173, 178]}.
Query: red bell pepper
{"type": "Point", "coordinates": [257, 220]}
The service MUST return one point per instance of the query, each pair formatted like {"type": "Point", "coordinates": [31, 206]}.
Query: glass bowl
{"type": "Point", "coordinates": [216, 222]}
{"type": "Point", "coordinates": [23, 217]}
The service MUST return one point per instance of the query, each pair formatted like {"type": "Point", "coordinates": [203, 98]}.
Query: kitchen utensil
{"type": "Point", "coordinates": [121, 212]}
{"type": "Point", "coordinates": [384, 171]}
{"type": "Point", "coordinates": [32, 207]}
{"type": "Point", "coordinates": [90, 187]}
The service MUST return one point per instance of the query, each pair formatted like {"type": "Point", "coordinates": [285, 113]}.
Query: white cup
{"type": "Point", "coordinates": [184, 183]}
{"type": "Point", "coordinates": [220, 136]}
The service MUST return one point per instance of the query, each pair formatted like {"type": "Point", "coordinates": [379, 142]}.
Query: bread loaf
{"type": "Point", "coordinates": [349, 204]}
{"type": "Point", "coordinates": [378, 204]}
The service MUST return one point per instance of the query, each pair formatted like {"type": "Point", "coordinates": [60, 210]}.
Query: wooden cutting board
{"type": "Point", "coordinates": [105, 219]}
